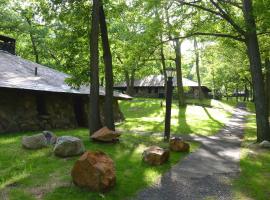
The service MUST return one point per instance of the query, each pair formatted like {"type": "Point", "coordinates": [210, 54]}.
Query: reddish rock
{"type": "Point", "coordinates": [95, 171]}
{"type": "Point", "coordinates": [155, 155]}
{"type": "Point", "coordinates": [177, 144]}
{"type": "Point", "coordinates": [105, 135]}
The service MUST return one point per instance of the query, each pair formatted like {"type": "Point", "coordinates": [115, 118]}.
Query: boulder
{"type": "Point", "coordinates": [94, 171]}
{"type": "Point", "coordinates": [105, 135]}
{"type": "Point", "coordinates": [265, 144]}
{"type": "Point", "coordinates": [50, 137]}
{"type": "Point", "coordinates": [155, 155]}
{"type": "Point", "coordinates": [68, 146]}
{"type": "Point", "coordinates": [177, 144]}
{"type": "Point", "coordinates": [37, 141]}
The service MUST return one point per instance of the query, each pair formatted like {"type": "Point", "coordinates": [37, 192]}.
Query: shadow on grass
{"type": "Point", "coordinates": [213, 119]}
{"type": "Point", "coordinates": [183, 127]}
{"type": "Point", "coordinates": [49, 176]}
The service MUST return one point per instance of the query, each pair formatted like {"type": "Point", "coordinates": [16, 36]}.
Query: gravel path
{"type": "Point", "coordinates": [207, 173]}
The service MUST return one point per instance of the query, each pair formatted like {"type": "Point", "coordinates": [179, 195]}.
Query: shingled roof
{"type": "Point", "coordinates": [16, 72]}
{"type": "Point", "coordinates": [157, 81]}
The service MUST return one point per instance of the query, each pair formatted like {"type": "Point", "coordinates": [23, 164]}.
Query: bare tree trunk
{"type": "Point", "coordinates": [267, 83]}
{"type": "Point", "coordinates": [131, 79]}
{"type": "Point", "coordinates": [213, 84]}
{"type": "Point", "coordinates": [107, 56]}
{"type": "Point", "coordinates": [94, 112]}
{"type": "Point", "coordinates": [237, 91]}
{"type": "Point", "coordinates": [162, 56]}
{"type": "Point", "coordinates": [180, 89]}
{"type": "Point", "coordinates": [198, 69]}
{"type": "Point", "coordinates": [246, 93]}
{"type": "Point", "coordinates": [263, 132]}
{"type": "Point", "coordinates": [34, 46]}
{"type": "Point", "coordinates": [127, 79]}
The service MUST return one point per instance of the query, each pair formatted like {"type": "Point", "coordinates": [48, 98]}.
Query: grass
{"type": "Point", "coordinates": [27, 174]}
{"type": "Point", "coordinates": [147, 115]}
{"type": "Point", "coordinates": [254, 180]}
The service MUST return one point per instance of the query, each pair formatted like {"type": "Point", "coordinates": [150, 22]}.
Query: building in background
{"type": "Point", "coordinates": [153, 86]}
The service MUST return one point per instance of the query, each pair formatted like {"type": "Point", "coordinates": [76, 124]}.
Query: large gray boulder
{"type": "Point", "coordinates": [68, 146]}
{"type": "Point", "coordinates": [265, 144]}
{"type": "Point", "coordinates": [37, 141]}
{"type": "Point", "coordinates": [50, 137]}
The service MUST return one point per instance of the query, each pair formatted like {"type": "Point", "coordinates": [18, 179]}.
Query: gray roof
{"type": "Point", "coordinates": [16, 72]}
{"type": "Point", "coordinates": [157, 81]}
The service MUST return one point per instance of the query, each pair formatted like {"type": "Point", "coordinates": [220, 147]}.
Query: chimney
{"type": "Point", "coordinates": [7, 44]}
{"type": "Point", "coordinates": [36, 71]}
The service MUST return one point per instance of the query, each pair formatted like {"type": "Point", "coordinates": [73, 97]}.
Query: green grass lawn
{"type": "Point", "coordinates": [254, 180]}
{"type": "Point", "coordinates": [147, 115]}
{"type": "Point", "coordinates": [27, 174]}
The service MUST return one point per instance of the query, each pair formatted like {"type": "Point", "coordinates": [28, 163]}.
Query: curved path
{"type": "Point", "coordinates": [207, 173]}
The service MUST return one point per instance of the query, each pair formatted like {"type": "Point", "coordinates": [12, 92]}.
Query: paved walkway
{"type": "Point", "coordinates": [207, 173]}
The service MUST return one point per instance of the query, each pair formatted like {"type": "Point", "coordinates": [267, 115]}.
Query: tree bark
{"type": "Point", "coordinates": [94, 112]}
{"type": "Point", "coordinates": [267, 82]}
{"type": "Point", "coordinates": [163, 63]}
{"type": "Point", "coordinates": [180, 89]}
{"type": "Point", "coordinates": [131, 79]}
{"type": "Point", "coordinates": [34, 46]}
{"type": "Point", "coordinates": [251, 42]}
{"type": "Point", "coordinates": [107, 56]}
{"type": "Point", "coordinates": [198, 69]}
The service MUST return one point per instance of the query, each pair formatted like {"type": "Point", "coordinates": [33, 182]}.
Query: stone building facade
{"type": "Point", "coordinates": [36, 97]}
{"type": "Point", "coordinates": [23, 110]}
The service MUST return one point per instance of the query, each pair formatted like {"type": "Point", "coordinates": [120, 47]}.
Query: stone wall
{"type": "Point", "coordinates": [23, 110]}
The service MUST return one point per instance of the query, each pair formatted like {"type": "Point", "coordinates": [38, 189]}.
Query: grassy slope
{"type": "Point", "coordinates": [254, 180]}
{"type": "Point", "coordinates": [39, 174]}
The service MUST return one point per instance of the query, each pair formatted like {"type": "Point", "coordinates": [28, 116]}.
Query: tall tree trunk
{"type": "Point", "coordinates": [267, 83]}
{"type": "Point", "coordinates": [180, 89]}
{"type": "Point", "coordinates": [127, 79]}
{"type": "Point", "coordinates": [246, 93]}
{"type": "Point", "coordinates": [237, 91]}
{"type": "Point", "coordinates": [107, 56]}
{"type": "Point", "coordinates": [263, 131]}
{"type": "Point", "coordinates": [131, 78]}
{"type": "Point", "coordinates": [226, 92]}
{"type": "Point", "coordinates": [163, 63]}
{"type": "Point", "coordinates": [198, 69]}
{"type": "Point", "coordinates": [213, 84]}
{"type": "Point", "coordinates": [94, 112]}
{"type": "Point", "coordinates": [34, 46]}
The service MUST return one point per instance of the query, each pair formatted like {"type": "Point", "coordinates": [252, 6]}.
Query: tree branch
{"type": "Point", "coordinates": [225, 16]}
{"type": "Point", "coordinates": [238, 38]}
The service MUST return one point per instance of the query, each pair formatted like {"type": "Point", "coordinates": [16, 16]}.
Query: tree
{"type": "Point", "coordinates": [224, 10]}
{"type": "Point", "coordinates": [107, 56]}
{"type": "Point", "coordinates": [94, 112]}
{"type": "Point", "coordinates": [197, 57]}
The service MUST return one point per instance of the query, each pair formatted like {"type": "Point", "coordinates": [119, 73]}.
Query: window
{"type": "Point", "coordinates": [149, 90]}
{"type": "Point", "coordinates": [41, 105]}
{"type": "Point", "coordinates": [156, 90]}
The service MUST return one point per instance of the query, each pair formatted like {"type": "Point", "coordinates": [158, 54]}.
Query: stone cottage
{"type": "Point", "coordinates": [35, 97]}
{"type": "Point", "coordinates": [153, 86]}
